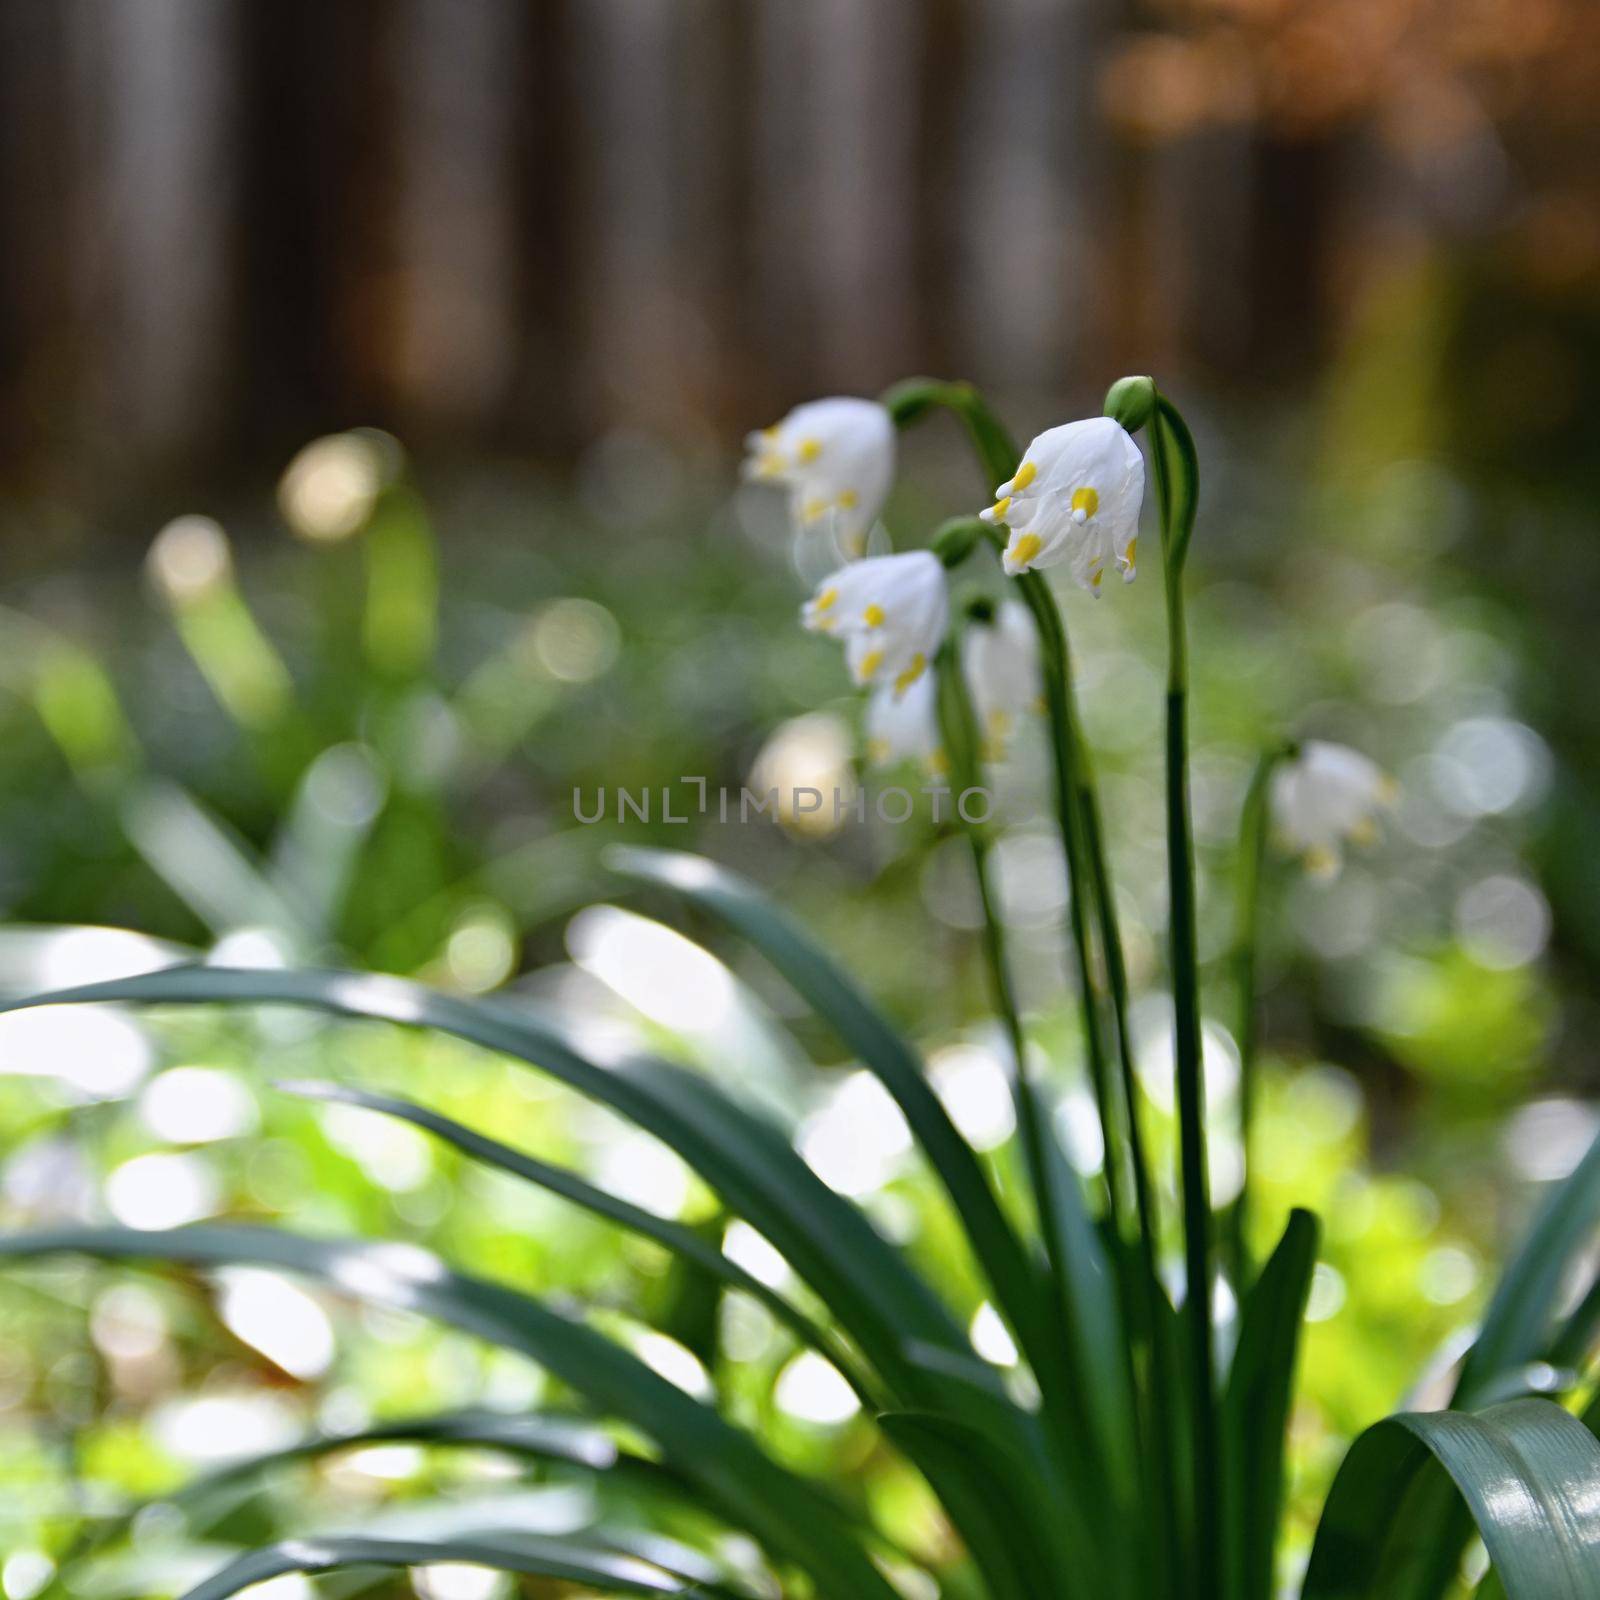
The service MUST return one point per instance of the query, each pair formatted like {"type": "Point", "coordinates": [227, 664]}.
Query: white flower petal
{"type": "Point", "coordinates": [1001, 661]}
{"type": "Point", "coordinates": [836, 459]}
{"type": "Point", "coordinates": [905, 727]}
{"type": "Point", "coordinates": [1328, 796]}
{"type": "Point", "coordinates": [890, 611]}
{"type": "Point", "coordinates": [1076, 497]}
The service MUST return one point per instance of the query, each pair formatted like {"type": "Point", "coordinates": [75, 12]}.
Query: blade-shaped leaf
{"type": "Point", "coordinates": [1528, 1472]}
{"type": "Point", "coordinates": [1021, 1540]}
{"type": "Point", "coordinates": [1255, 1407]}
{"type": "Point", "coordinates": [1516, 1327]}
{"type": "Point", "coordinates": [538, 1438]}
{"type": "Point", "coordinates": [674, 1236]}
{"type": "Point", "coordinates": [602, 1570]}
{"type": "Point", "coordinates": [743, 1158]}
{"type": "Point", "coordinates": [1091, 1337]}
{"type": "Point", "coordinates": [790, 1516]}
{"type": "Point", "coordinates": [882, 1049]}
{"type": "Point", "coordinates": [885, 1052]}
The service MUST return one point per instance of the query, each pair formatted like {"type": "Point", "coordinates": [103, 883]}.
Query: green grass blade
{"type": "Point", "coordinates": [751, 1165]}
{"type": "Point", "coordinates": [1091, 1329]}
{"type": "Point", "coordinates": [1529, 1474]}
{"type": "Point", "coordinates": [1516, 1327]}
{"type": "Point", "coordinates": [735, 902]}
{"type": "Point", "coordinates": [208, 866]}
{"type": "Point", "coordinates": [566, 1440]}
{"type": "Point", "coordinates": [1255, 1407]}
{"type": "Point", "coordinates": [1024, 1539]}
{"type": "Point", "coordinates": [674, 1236]}
{"type": "Point", "coordinates": [603, 1571]}
{"type": "Point", "coordinates": [792, 1518]}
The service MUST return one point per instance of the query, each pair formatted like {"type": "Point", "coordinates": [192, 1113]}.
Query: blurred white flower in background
{"type": "Point", "coordinates": [1000, 656]}
{"type": "Point", "coordinates": [1328, 796]}
{"type": "Point", "coordinates": [889, 611]}
{"type": "Point", "coordinates": [332, 486]}
{"type": "Point", "coordinates": [836, 459]}
{"type": "Point", "coordinates": [1075, 498]}
{"type": "Point", "coordinates": [810, 752]}
{"type": "Point", "coordinates": [905, 727]}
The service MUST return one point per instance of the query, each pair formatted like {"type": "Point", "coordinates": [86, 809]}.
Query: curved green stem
{"type": "Point", "coordinates": [1177, 478]}
{"type": "Point", "coordinates": [1089, 886]}
{"type": "Point", "coordinates": [1247, 918]}
{"type": "Point", "coordinates": [1078, 815]}
{"type": "Point", "coordinates": [913, 399]}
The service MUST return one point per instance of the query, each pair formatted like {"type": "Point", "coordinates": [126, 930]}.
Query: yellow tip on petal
{"type": "Point", "coordinates": [810, 510]}
{"type": "Point", "coordinates": [1095, 579]}
{"type": "Point", "coordinates": [1026, 473]}
{"type": "Point", "coordinates": [808, 450]}
{"type": "Point", "coordinates": [1132, 553]}
{"type": "Point", "coordinates": [827, 600]}
{"type": "Point", "coordinates": [938, 763]}
{"type": "Point", "coordinates": [1364, 834]}
{"type": "Point", "coordinates": [997, 512]}
{"type": "Point", "coordinates": [1321, 862]}
{"type": "Point", "coordinates": [911, 674]}
{"type": "Point", "coordinates": [1025, 549]}
{"type": "Point", "coordinates": [848, 500]}
{"type": "Point", "coordinates": [878, 751]}
{"type": "Point", "coordinates": [870, 663]}
{"type": "Point", "coordinates": [873, 616]}
{"type": "Point", "coordinates": [1085, 500]}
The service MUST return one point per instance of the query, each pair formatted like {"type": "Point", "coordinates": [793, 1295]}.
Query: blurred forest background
{"type": "Point", "coordinates": [528, 270]}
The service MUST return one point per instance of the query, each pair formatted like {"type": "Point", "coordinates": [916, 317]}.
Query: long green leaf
{"type": "Point", "coordinates": [1091, 1334]}
{"type": "Point", "coordinates": [1016, 1539]}
{"type": "Point", "coordinates": [1516, 1327]}
{"type": "Point", "coordinates": [674, 1236]}
{"type": "Point", "coordinates": [538, 1438]}
{"type": "Point", "coordinates": [601, 1570]}
{"type": "Point", "coordinates": [999, 1252]}
{"type": "Point", "coordinates": [788, 1515]}
{"type": "Point", "coordinates": [884, 1051]}
{"type": "Point", "coordinates": [745, 1160]}
{"type": "Point", "coordinates": [1255, 1407]}
{"type": "Point", "coordinates": [1529, 1473]}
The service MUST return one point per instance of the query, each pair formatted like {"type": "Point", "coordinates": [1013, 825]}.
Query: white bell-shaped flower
{"type": "Point", "coordinates": [1075, 498]}
{"type": "Point", "coordinates": [836, 459]}
{"type": "Point", "coordinates": [891, 613]}
{"type": "Point", "coordinates": [905, 727]}
{"type": "Point", "coordinates": [1327, 796]}
{"type": "Point", "coordinates": [1000, 656]}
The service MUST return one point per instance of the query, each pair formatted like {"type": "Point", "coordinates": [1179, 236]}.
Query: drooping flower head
{"type": "Point", "coordinates": [905, 727]}
{"type": "Point", "coordinates": [836, 459]}
{"type": "Point", "coordinates": [1327, 796]}
{"type": "Point", "coordinates": [1075, 498]}
{"type": "Point", "coordinates": [1000, 656]}
{"type": "Point", "coordinates": [891, 613]}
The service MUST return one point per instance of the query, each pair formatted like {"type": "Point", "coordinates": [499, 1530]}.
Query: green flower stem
{"type": "Point", "coordinates": [1247, 918]}
{"type": "Point", "coordinates": [1066, 765]}
{"type": "Point", "coordinates": [912, 400]}
{"type": "Point", "coordinates": [1061, 1391]}
{"type": "Point", "coordinates": [1089, 879]}
{"type": "Point", "coordinates": [1078, 814]}
{"type": "Point", "coordinates": [998, 455]}
{"type": "Point", "coordinates": [1177, 479]}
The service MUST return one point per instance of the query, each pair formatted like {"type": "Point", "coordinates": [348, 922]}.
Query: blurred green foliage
{"type": "Point", "coordinates": [362, 748]}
